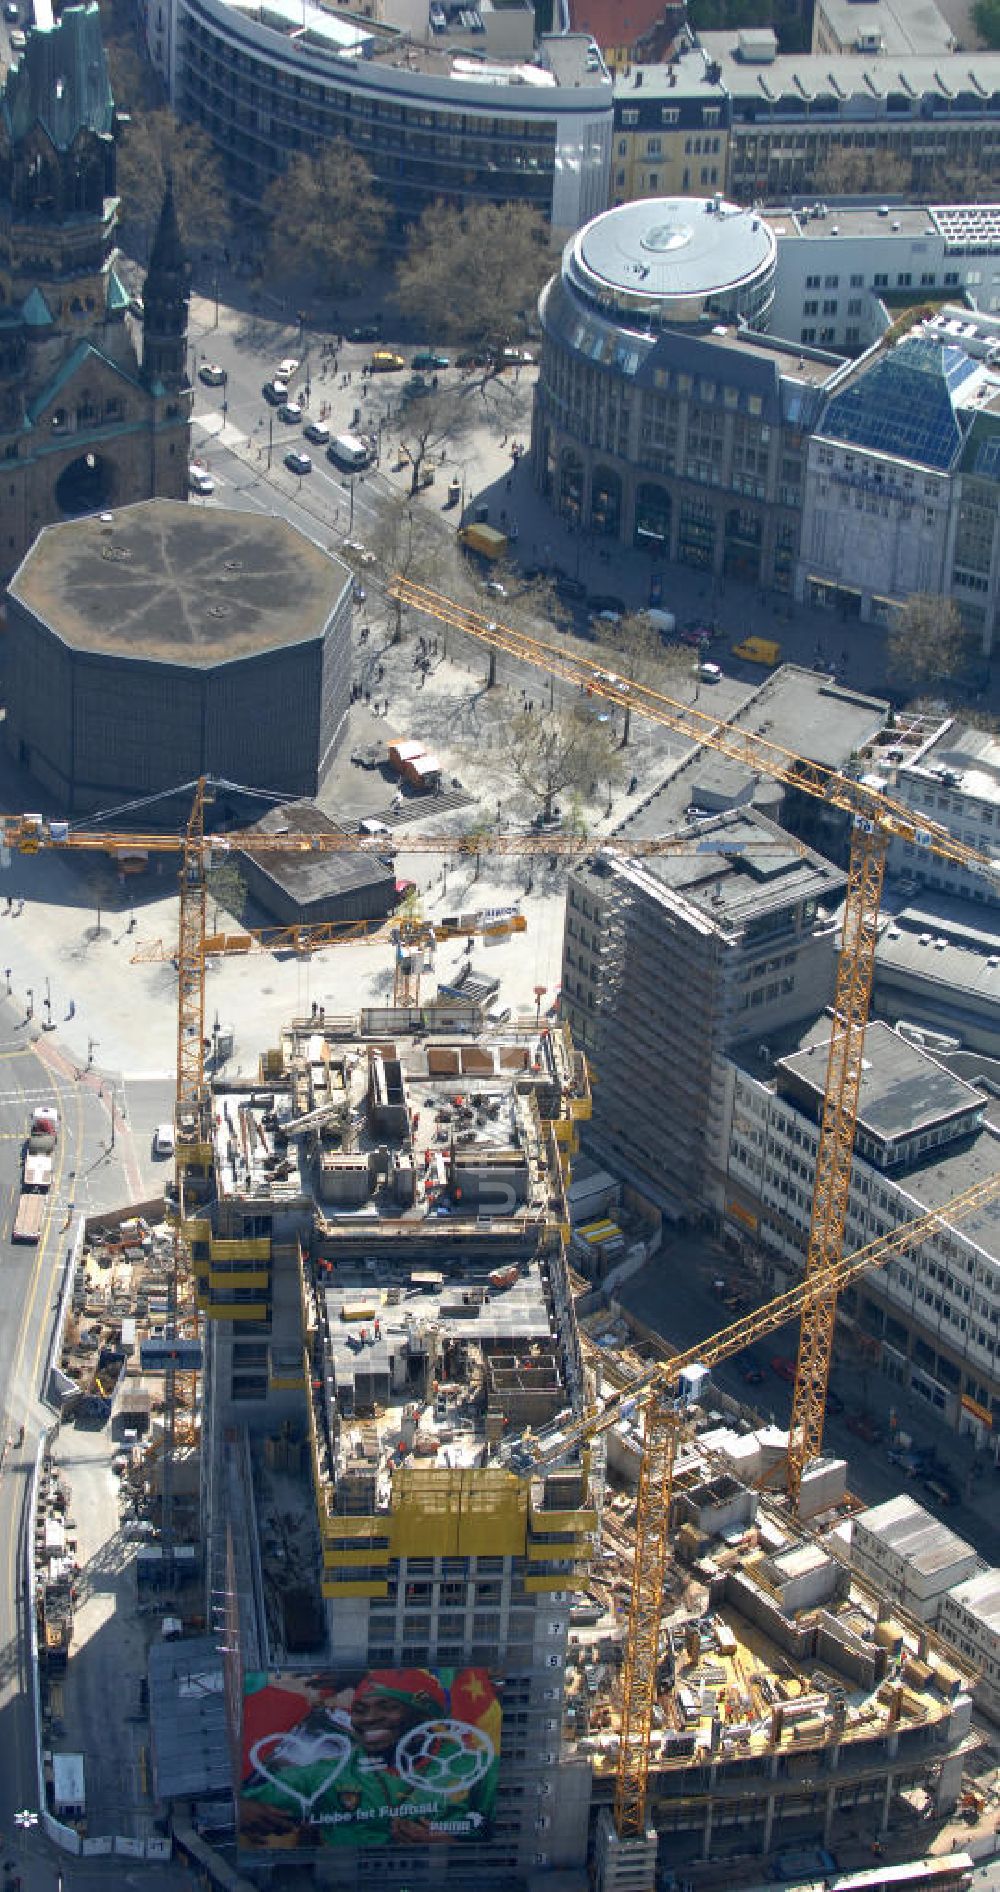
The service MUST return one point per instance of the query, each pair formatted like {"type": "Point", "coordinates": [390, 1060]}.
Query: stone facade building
{"type": "Point", "coordinates": [84, 423]}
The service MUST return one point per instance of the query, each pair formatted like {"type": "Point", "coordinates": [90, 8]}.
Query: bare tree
{"type": "Point", "coordinates": [158, 142]}
{"type": "Point", "coordinates": [553, 750]}
{"type": "Point", "coordinates": [405, 545]}
{"type": "Point", "coordinates": [927, 639]}
{"type": "Point", "coordinates": [845, 172]}
{"type": "Point", "coordinates": [327, 212]}
{"type": "Point", "coordinates": [428, 423]}
{"type": "Point", "coordinates": [473, 275]}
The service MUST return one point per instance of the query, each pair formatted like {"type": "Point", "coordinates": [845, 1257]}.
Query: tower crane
{"type": "Point", "coordinates": [875, 820]}
{"type": "Point", "coordinates": [655, 1391]}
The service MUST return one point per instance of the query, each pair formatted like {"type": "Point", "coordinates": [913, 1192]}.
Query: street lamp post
{"type": "Point", "coordinates": [26, 1821]}
{"type": "Point", "coordinates": [31, 1001]}
{"type": "Point", "coordinates": [91, 1048]}
{"type": "Point", "coordinates": [350, 522]}
{"type": "Point", "coordinates": [215, 287]}
{"type": "Point", "coordinates": [270, 439]}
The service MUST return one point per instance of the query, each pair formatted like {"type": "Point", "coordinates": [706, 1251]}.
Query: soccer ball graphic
{"type": "Point", "coordinates": [449, 1757]}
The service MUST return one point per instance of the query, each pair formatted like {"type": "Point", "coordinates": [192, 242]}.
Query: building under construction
{"type": "Point", "coordinates": [425, 1648]}
{"type": "Point", "coordinates": [387, 1295]}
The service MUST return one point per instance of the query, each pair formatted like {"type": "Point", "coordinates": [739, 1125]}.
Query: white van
{"type": "Point", "coordinates": [370, 826]}
{"type": "Point", "coordinates": [662, 621]}
{"type": "Point", "coordinates": [348, 451]}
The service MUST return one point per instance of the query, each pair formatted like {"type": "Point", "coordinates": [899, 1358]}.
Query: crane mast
{"type": "Point", "coordinates": [874, 819]}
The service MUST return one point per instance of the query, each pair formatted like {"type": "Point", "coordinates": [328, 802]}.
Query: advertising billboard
{"type": "Point", "coordinates": [385, 1757]}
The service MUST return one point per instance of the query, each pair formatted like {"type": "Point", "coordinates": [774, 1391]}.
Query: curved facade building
{"type": "Point", "coordinates": [663, 418]}
{"type": "Point", "coordinates": [469, 113]}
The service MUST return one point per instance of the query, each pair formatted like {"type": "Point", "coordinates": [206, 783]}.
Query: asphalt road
{"type": "Point", "coordinates": [90, 1171]}
{"type": "Point", "coordinates": [29, 1281]}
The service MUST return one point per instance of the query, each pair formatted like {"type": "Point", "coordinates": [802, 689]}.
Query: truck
{"type": "Point", "coordinates": [486, 540]}
{"type": "Point", "coordinates": [36, 1174]}
{"type": "Point", "coordinates": [758, 650]}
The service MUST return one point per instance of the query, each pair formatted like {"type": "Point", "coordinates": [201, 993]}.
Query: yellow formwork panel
{"type": "Point", "coordinates": [569, 1550]}
{"type": "Point", "coordinates": [457, 1511]}
{"type": "Point", "coordinates": [257, 1248]}
{"type": "Point", "coordinates": [537, 1586]}
{"type": "Point", "coordinates": [332, 1590]}
{"type": "Point", "coordinates": [336, 1526]}
{"type": "Point", "coordinates": [194, 1155]}
{"type": "Point", "coordinates": [354, 1559]}
{"type": "Point", "coordinates": [584, 1519]}
{"type": "Point", "coordinates": [287, 1382]}
{"type": "Point", "coordinates": [231, 1278]}
{"type": "Point", "coordinates": [198, 1229]}
{"type": "Point", "coordinates": [236, 1310]}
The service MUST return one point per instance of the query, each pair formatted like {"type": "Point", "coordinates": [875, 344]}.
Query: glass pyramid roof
{"type": "Point", "coordinates": [905, 404]}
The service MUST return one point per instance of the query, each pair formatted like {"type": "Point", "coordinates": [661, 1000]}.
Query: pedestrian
{"type": "Point", "coordinates": [509, 487]}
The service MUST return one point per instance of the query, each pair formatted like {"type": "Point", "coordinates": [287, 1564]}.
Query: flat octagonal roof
{"type": "Point", "coordinates": [165, 582]}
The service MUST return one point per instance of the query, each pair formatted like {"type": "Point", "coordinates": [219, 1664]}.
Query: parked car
{"type": "Point", "coordinates": [297, 462]}
{"type": "Point", "coordinates": [606, 601]}
{"type": "Point", "coordinates": [784, 1368]}
{"type": "Point", "coordinates": [275, 392]}
{"type": "Point", "coordinates": [364, 332]}
{"type": "Point", "coordinates": [285, 369]}
{"type": "Point", "coordinates": [290, 412]}
{"type": "Point", "coordinates": [163, 1140]}
{"type": "Point", "coordinates": [863, 1426]}
{"type": "Point", "coordinates": [753, 1375]}
{"type": "Point", "coordinates": [495, 587]}
{"type": "Point", "coordinates": [200, 482]}
{"type": "Point", "coordinates": [710, 673]}
{"type": "Point", "coordinates": [212, 375]}
{"type": "Point", "coordinates": [318, 432]}
{"type": "Point", "coordinates": [428, 360]}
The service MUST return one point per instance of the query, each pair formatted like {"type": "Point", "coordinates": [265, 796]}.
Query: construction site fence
{"type": "Point", "coordinates": [71, 1258]}
{"type": "Point", "coordinates": [153, 1848]}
